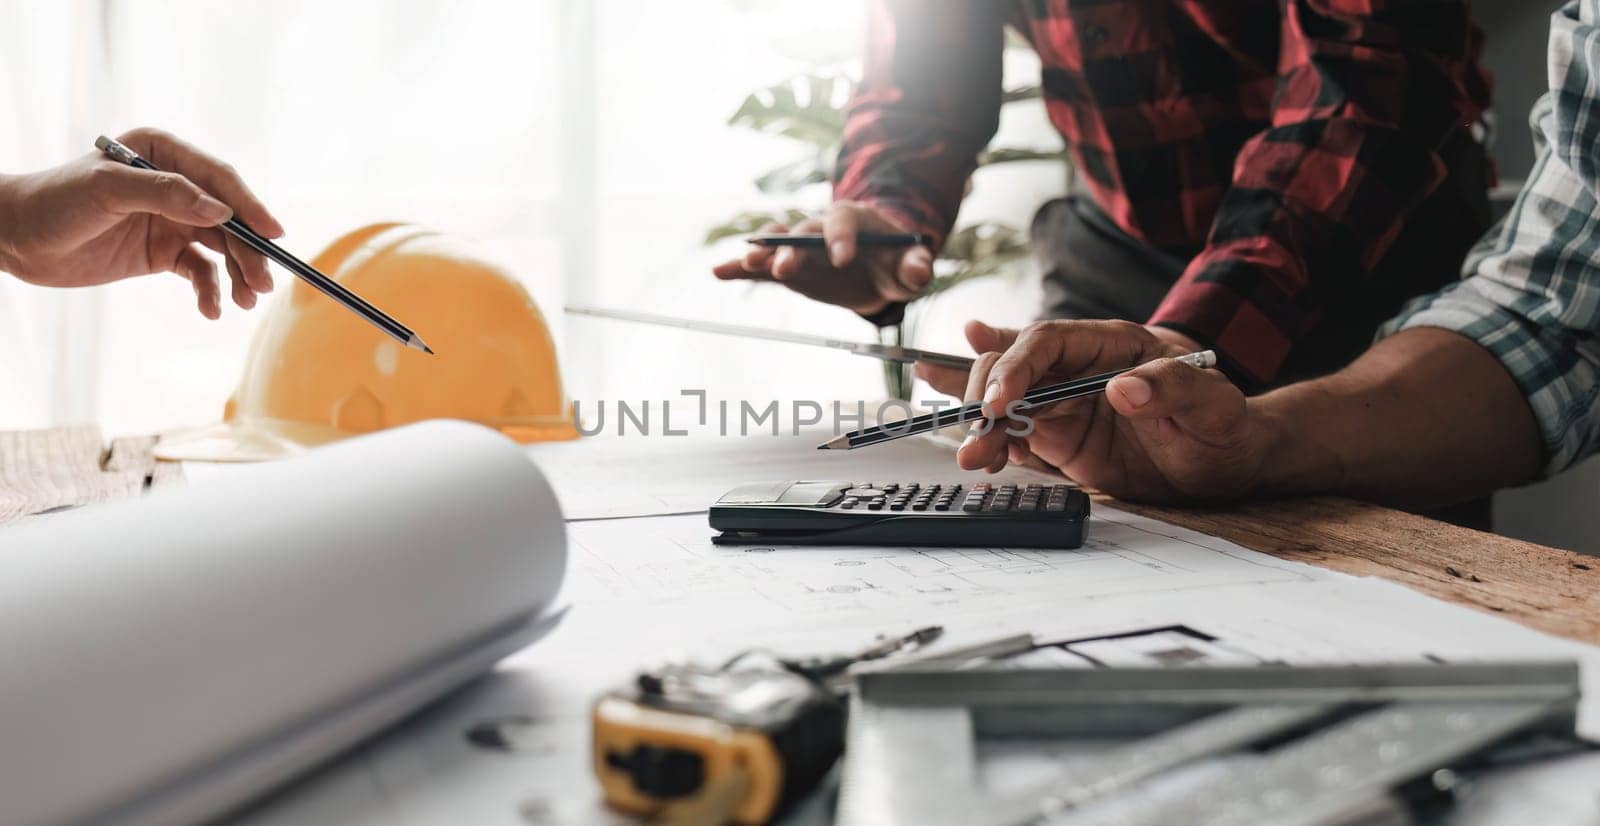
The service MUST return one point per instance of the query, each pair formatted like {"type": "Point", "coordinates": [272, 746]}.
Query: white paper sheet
{"type": "Point", "coordinates": [612, 476]}
{"type": "Point", "coordinates": [644, 589]}
{"type": "Point", "coordinates": [651, 591]}
{"type": "Point", "coordinates": [165, 657]}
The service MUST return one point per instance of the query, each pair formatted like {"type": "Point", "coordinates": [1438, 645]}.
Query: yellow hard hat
{"type": "Point", "coordinates": [317, 372]}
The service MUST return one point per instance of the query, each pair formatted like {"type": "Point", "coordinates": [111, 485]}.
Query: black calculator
{"type": "Point", "coordinates": [902, 513]}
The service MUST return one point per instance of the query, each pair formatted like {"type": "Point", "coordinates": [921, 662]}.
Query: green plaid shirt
{"type": "Point", "coordinates": [1530, 290]}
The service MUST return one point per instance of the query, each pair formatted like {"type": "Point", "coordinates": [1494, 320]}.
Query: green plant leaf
{"type": "Point", "coordinates": [747, 222]}
{"type": "Point", "coordinates": [966, 271]}
{"type": "Point", "coordinates": [806, 108]}
{"type": "Point", "coordinates": [985, 240]}
{"type": "Point", "coordinates": [897, 377]}
{"type": "Point", "coordinates": [791, 176]}
{"type": "Point", "coordinates": [978, 251]}
{"type": "Point", "coordinates": [1013, 154]}
{"type": "Point", "coordinates": [1020, 93]}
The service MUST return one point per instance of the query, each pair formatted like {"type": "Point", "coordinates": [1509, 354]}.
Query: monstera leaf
{"type": "Point", "coordinates": [806, 108]}
{"type": "Point", "coordinates": [812, 169]}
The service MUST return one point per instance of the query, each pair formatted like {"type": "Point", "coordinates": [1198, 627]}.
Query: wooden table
{"type": "Point", "coordinates": [1543, 588]}
{"type": "Point", "coordinates": [1551, 590]}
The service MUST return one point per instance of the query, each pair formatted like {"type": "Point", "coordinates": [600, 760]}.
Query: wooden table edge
{"type": "Point", "coordinates": [1544, 588]}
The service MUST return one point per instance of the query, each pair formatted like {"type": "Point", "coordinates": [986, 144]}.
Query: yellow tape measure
{"type": "Point", "coordinates": [705, 746]}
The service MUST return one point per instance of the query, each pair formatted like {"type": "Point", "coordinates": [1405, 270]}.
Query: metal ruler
{"type": "Point", "coordinates": [1274, 745]}
{"type": "Point", "coordinates": [884, 352]}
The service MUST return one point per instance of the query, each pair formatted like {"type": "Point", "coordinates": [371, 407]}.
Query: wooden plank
{"type": "Point", "coordinates": [45, 469]}
{"type": "Point", "coordinates": [1544, 588]}
{"type": "Point", "coordinates": [59, 468]}
{"type": "Point", "coordinates": [137, 454]}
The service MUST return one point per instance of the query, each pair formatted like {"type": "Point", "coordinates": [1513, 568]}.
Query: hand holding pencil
{"type": "Point", "coordinates": [93, 221]}
{"type": "Point", "coordinates": [1161, 431]}
{"type": "Point", "coordinates": [865, 260]}
{"type": "Point", "coordinates": [239, 235]}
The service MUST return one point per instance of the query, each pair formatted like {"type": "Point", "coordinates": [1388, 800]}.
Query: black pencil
{"type": "Point", "coordinates": [309, 274]}
{"type": "Point", "coordinates": [815, 241]}
{"type": "Point", "coordinates": [972, 411]}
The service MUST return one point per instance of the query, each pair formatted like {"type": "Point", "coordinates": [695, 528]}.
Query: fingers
{"type": "Point", "coordinates": [251, 269]}
{"type": "Point", "coordinates": [1017, 451]}
{"type": "Point", "coordinates": [734, 271]}
{"type": "Point", "coordinates": [757, 260]}
{"type": "Point", "coordinates": [214, 176]}
{"type": "Point", "coordinates": [1201, 402]}
{"type": "Point", "coordinates": [1066, 348]}
{"type": "Point", "coordinates": [839, 227]}
{"type": "Point", "coordinates": [906, 279]}
{"type": "Point", "coordinates": [124, 190]}
{"type": "Point", "coordinates": [1032, 354]}
{"type": "Point", "coordinates": [902, 280]}
{"type": "Point", "coordinates": [195, 184]}
{"type": "Point", "coordinates": [243, 296]}
{"type": "Point", "coordinates": [951, 381]}
{"type": "Point", "coordinates": [255, 282]}
{"type": "Point", "coordinates": [987, 443]}
{"type": "Point", "coordinates": [192, 264]}
{"type": "Point", "coordinates": [213, 239]}
{"type": "Point", "coordinates": [789, 261]}
{"type": "Point", "coordinates": [986, 339]}
{"type": "Point", "coordinates": [844, 220]}
{"type": "Point", "coordinates": [202, 275]}
{"type": "Point", "coordinates": [753, 264]}
{"type": "Point", "coordinates": [838, 270]}
{"type": "Point", "coordinates": [916, 270]}
{"type": "Point", "coordinates": [886, 282]}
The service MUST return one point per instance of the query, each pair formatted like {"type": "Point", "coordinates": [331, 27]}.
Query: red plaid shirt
{"type": "Point", "coordinates": [1279, 145]}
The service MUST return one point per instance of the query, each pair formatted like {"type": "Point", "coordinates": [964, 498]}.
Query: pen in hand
{"type": "Point", "coordinates": [816, 241]}
{"type": "Point", "coordinates": [307, 273]}
{"type": "Point", "coordinates": [973, 411]}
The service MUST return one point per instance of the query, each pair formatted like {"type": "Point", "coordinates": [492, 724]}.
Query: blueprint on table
{"type": "Point", "coordinates": [642, 589]}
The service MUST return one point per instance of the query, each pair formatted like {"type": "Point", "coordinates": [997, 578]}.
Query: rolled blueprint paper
{"type": "Point", "coordinates": [163, 659]}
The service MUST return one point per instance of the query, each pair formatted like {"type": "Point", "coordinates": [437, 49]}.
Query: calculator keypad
{"type": "Point", "coordinates": [982, 497]}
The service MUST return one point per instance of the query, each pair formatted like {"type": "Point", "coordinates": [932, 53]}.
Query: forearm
{"type": "Point", "coordinates": [928, 102]}
{"type": "Point", "coordinates": [8, 223]}
{"type": "Point", "coordinates": [1425, 417]}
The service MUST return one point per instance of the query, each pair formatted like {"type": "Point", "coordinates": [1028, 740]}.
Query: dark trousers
{"type": "Point", "coordinates": [1092, 269]}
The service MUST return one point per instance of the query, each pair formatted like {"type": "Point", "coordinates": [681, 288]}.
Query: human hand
{"type": "Point", "coordinates": [1164, 431]}
{"type": "Point", "coordinates": [864, 280]}
{"type": "Point", "coordinates": [96, 220]}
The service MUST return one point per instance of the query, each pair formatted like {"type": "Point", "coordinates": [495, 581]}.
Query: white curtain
{"type": "Point", "coordinates": [51, 71]}
{"type": "Point", "coordinates": [338, 114]}
{"type": "Point", "coordinates": [669, 75]}
{"type": "Point", "coordinates": [583, 142]}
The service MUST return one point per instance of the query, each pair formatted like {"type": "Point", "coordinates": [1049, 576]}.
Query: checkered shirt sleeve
{"type": "Point", "coordinates": [1530, 292]}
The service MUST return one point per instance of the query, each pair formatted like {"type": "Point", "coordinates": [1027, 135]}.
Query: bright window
{"type": "Point", "coordinates": [583, 144]}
